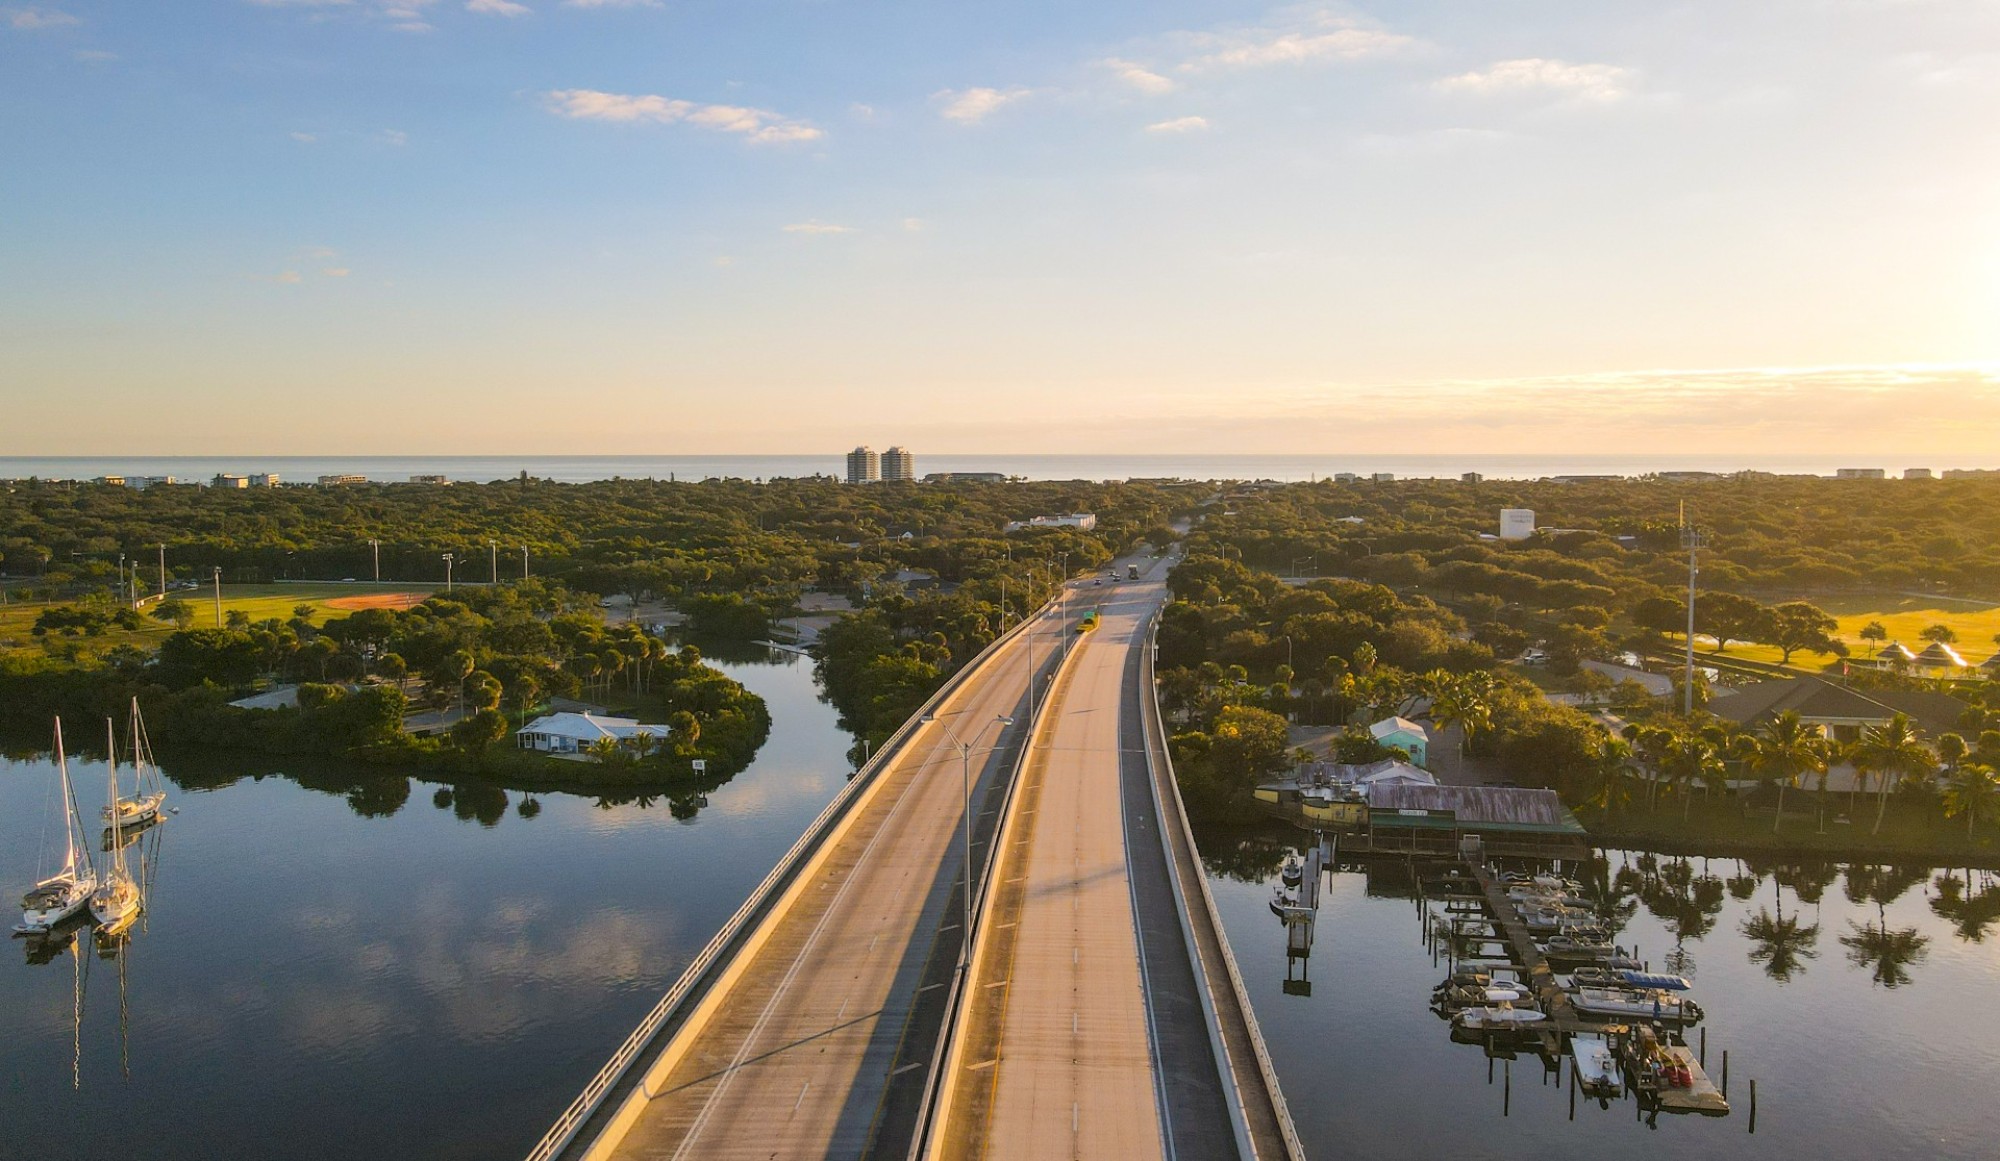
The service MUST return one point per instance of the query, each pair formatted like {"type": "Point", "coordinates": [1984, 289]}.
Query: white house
{"type": "Point", "coordinates": [571, 733]}
{"type": "Point", "coordinates": [1405, 735]}
{"type": "Point", "coordinates": [1084, 521]}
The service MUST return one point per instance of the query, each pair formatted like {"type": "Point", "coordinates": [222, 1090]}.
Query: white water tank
{"type": "Point", "coordinates": [1517, 523]}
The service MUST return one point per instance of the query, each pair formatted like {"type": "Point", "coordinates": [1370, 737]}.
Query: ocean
{"type": "Point", "coordinates": [581, 469]}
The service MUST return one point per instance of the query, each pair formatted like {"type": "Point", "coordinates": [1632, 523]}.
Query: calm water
{"type": "Point", "coordinates": [578, 469]}
{"type": "Point", "coordinates": [311, 982]}
{"type": "Point", "coordinates": [1853, 1057]}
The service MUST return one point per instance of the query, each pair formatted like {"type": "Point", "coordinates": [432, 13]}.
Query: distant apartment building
{"type": "Point", "coordinates": [1345, 477]}
{"type": "Point", "coordinates": [966, 478]}
{"type": "Point", "coordinates": [341, 481]}
{"type": "Point", "coordinates": [1860, 474]}
{"type": "Point", "coordinates": [1084, 521]}
{"type": "Point", "coordinates": [1472, 478]}
{"type": "Point", "coordinates": [230, 480]}
{"type": "Point", "coordinates": [899, 464]}
{"type": "Point", "coordinates": [1969, 473]}
{"type": "Point", "coordinates": [1517, 523]}
{"type": "Point", "coordinates": [1384, 477]}
{"type": "Point", "coordinates": [111, 481]}
{"type": "Point", "coordinates": [264, 479]}
{"type": "Point", "coordinates": [864, 466]}
{"type": "Point", "coordinates": [1918, 474]}
{"type": "Point", "coordinates": [144, 482]}
{"type": "Point", "coordinates": [441, 481]}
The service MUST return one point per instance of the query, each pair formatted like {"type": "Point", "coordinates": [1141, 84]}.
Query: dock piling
{"type": "Point", "coordinates": [1753, 1104]}
{"type": "Point", "coordinates": [1725, 1073]}
{"type": "Point", "coordinates": [1704, 1047]}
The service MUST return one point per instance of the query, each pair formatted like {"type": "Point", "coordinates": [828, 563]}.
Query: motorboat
{"type": "Point", "coordinates": [1596, 1057]}
{"type": "Point", "coordinates": [149, 791]}
{"type": "Point", "coordinates": [1629, 1003]}
{"type": "Point", "coordinates": [1563, 946]}
{"type": "Point", "coordinates": [1502, 1017]}
{"type": "Point", "coordinates": [67, 892]}
{"type": "Point", "coordinates": [1485, 995]}
{"type": "Point", "coordinates": [116, 902]}
{"type": "Point", "coordinates": [1293, 872]}
{"type": "Point", "coordinates": [1550, 920]}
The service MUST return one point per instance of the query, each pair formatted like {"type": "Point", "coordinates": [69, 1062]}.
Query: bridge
{"type": "Point", "coordinates": [1091, 1009]}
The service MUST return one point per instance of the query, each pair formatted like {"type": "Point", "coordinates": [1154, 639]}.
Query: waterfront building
{"type": "Point", "coordinates": [1918, 474]}
{"type": "Point", "coordinates": [231, 480]}
{"type": "Point", "coordinates": [440, 481]}
{"type": "Point", "coordinates": [1860, 474]}
{"type": "Point", "coordinates": [264, 479]}
{"type": "Point", "coordinates": [1404, 735]}
{"type": "Point", "coordinates": [966, 478]}
{"type": "Point", "coordinates": [864, 466]}
{"type": "Point", "coordinates": [572, 733]}
{"type": "Point", "coordinates": [899, 464]}
{"type": "Point", "coordinates": [341, 481]}
{"type": "Point", "coordinates": [1083, 521]}
{"type": "Point", "coordinates": [1517, 523]}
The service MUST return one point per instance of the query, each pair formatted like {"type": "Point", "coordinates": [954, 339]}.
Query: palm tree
{"type": "Point", "coordinates": [1786, 748]}
{"type": "Point", "coordinates": [605, 751]}
{"type": "Point", "coordinates": [1688, 758]}
{"type": "Point", "coordinates": [1974, 792]}
{"type": "Point", "coordinates": [1893, 751]}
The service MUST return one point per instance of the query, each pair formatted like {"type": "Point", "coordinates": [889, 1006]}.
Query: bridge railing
{"type": "Point", "coordinates": [1186, 896]}
{"type": "Point", "coordinates": [695, 977]}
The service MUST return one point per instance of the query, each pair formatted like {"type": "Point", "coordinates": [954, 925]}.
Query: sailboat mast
{"type": "Point", "coordinates": [117, 831]}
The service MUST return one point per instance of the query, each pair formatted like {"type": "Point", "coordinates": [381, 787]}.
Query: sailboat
{"type": "Point", "coordinates": [116, 901]}
{"type": "Point", "coordinates": [149, 791]}
{"type": "Point", "coordinates": [64, 893]}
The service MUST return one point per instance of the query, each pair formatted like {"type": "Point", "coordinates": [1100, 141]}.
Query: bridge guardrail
{"type": "Point", "coordinates": [1156, 737]}
{"type": "Point", "coordinates": [694, 976]}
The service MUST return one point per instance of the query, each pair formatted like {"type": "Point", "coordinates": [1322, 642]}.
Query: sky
{"type": "Point", "coordinates": [682, 226]}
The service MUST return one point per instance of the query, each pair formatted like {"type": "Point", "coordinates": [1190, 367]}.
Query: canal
{"type": "Point", "coordinates": [378, 971]}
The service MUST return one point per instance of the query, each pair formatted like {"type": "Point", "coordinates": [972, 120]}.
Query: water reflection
{"type": "Point", "coordinates": [329, 962]}
{"type": "Point", "coordinates": [1849, 1049]}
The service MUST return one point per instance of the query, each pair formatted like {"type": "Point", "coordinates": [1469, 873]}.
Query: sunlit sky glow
{"type": "Point", "coordinates": [622, 226]}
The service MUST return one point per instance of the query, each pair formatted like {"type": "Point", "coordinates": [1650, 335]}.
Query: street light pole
{"type": "Point", "coordinates": [447, 571]}
{"type": "Point", "coordinates": [964, 749]}
{"type": "Point", "coordinates": [524, 562]}
{"type": "Point", "coordinates": [375, 546]}
{"type": "Point", "coordinates": [218, 598]}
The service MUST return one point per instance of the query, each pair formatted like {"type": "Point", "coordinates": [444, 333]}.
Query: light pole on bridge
{"type": "Point", "coordinates": [964, 749]}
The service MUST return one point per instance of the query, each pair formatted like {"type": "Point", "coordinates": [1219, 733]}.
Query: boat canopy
{"type": "Point", "coordinates": [1655, 980]}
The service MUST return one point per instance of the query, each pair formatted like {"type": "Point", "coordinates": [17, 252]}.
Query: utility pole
{"type": "Point", "coordinates": [218, 598]}
{"type": "Point", "coordinates": [524, 562]}
{"type": "Point", "coordinates": [493, 550]}
{"type": "Point", "coordinates": [1691, 540]}
{"type": "Point", "coordinates": [163, 570]}
{"type": "Point", "coordinates": [375, 546]}
{"type": "Point", "coordinates": [447, 571]}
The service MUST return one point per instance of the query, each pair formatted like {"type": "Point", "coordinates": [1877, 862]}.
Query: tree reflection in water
{"type": "Point", "coordinates": [1779, 943]}
{"type": "Point", "coordinates": [1887, 953]}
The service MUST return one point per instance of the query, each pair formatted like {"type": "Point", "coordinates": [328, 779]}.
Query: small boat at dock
{"type": "Point", "coordinates": [1669, 1076]}
{"type": "Point", "coordinates": [1293, 872]}
{"type": "Point", "coordinates": [1503, 1017]}
{"type": "Point", "coordinates": [1624, 1003]}
{"type": "Point", "coordinates": [1597, 1071]}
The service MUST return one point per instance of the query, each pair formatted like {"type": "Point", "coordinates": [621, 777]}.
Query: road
{"type": "Point", "coordinates": [1059, 1052]}
{"type": "Point", "coordinates": [817, 1041]}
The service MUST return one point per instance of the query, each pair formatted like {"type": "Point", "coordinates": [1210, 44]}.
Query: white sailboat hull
{"type": "Point", "coordinates": [135, 811]}
{"type": "Point", "coordinates": [54, 900]}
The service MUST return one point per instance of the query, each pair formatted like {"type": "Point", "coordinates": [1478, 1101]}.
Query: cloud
{"type": "Point", "coordinates": [394, 137]}
{"type": "Point", "coordinates": [1584, 82]}
{"type": "Point", "coordinates": [817, 227]}
{"type": "Point", "coordinates": [336, 272]}
{"type": "Point", "coordinates": [915, 225]}
{"type": "Point", "coordinates": [31, 19]}
{"type": "Point", "coordinates": [303, 138]}
{"type": "Point", "coordinates": [759, 125]}
{"type": "Point", "coordinates": [611, 3]}
{"type": "Point", "coordinates": [93, 55]}
{"type": "Point", "coordinates": [1178, 125]}
{"type": "Point", "coordinates": [971, 106]}
{"type": "Point", "coordinates": [497, 7]}
{"type": "Point", "coordinates": [1139, 77]}
{"type": "Point", "coordinates": [1305, 38]}
{"type": "Point", "coordinates": [725, 261]}
{"type": "Point", "coordinates": [289, 277]}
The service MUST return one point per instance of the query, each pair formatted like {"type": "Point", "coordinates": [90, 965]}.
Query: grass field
{"type": "Point", "coordinates": [1904, 617]}
{"type": "Point", "coordinates": [258, 602]}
